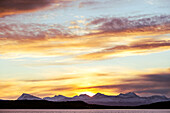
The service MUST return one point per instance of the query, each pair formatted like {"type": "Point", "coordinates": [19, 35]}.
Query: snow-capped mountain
{"type": "Point", "coordinates": [56, 98]}
{"type": "Point", "coordinates": [128, 99]}
{"type": "Point", "coordinates": [156, 98]}
{"type": "Point", "coordinates": [81, 97]}
{"type": "Point", "coordinates": [99, 95]}
{"type": "Point", "coordinates": [60, 98]}
{"type": "Point", "coordinates": [128, 95]}
{"type": "Point", "coordinates": [120, 100]}
{"type": "Point", "coordinates": [25, 96]}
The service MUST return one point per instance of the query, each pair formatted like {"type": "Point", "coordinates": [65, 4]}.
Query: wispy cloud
{"type": "Point", "coordinates": [113, 37]}
{"type": "Point", "coordinates": [48, 80]}
{"type": "Point", "coordinates": [109, 81]}
{"type": "Point", "coordinates": [125, 28]}
{"type": "Point", "coordinates": [134, 48]}
{"type": "Point", "coordinates": [88, 3]}
{"type": "Point", "coordinates": [112, 24]}
{"type": "Point", "coordinates": [152, 83]}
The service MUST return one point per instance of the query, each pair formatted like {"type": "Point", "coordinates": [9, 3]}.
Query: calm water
{"type": "Point", "coordinates": [85, 111]}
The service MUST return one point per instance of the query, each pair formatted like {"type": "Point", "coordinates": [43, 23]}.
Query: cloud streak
{"type": "Point", "coordinates": [88, 3]}
{"type": "Point", "coordinates": [127, 28]}
{"type": "Point", "coordinates": [139, 47]}
{"type": "Point", "coordinates": [112, 24]}
{"type": "Point", "coordinates": [155, 83]}
{"type": "Point", "coordinates": [113, 37]}
{"type": "Point", "coordinates": [52, 80]}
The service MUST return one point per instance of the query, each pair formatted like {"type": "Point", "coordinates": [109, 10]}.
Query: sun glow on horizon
{"type": "Point", "coordinates": [88, 93]}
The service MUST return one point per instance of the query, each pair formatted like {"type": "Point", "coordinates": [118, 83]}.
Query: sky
{"type": "Point", "coordinates": [70, 47]}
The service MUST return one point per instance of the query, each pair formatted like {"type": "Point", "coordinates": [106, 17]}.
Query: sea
{"type": "Point", "coordinates": [84, 111]}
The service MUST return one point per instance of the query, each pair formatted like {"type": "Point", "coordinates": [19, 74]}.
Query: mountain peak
{"type": "Point", "coordinates": [99, 95]}
{"type": "Point", "coordinates": [84, 95]}
{"type": "Point", "coordinates": [56, 98]}
{"type": "Point", "coordinates": [26, 96]}
{"type": "Point", "coordinates": [81, 97]}
{"type": "Point", "coordinates": [125, 99]}
{"type": "Point", "coordinates": [128, 95]}
{"type": "Point", "coordinates": [158, 97]}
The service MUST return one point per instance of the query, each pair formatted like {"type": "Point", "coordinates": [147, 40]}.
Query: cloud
{"type": "Point", "coordinates": [122, 87]}
{"type": "Point", "coordinates": [139, 47]}
{"type": "Point", "coordinates": [156, 91]}
{"type": "Point", "coordinates": [112, 81]}
{"type": "Point", "coordinates": [61, 89]}
{"type": "Point", "coordinates": [107, 38]}
{"type": "Point", "coordinates": [122, 29]}
{"type": "Point", "coordinates": [49, 63]}
{"type": "Point", "coordinates": [31, 39]}
{"type": "Point", "coordinates": [88, 3]}
{"type": "Point", "coordinates": [112, 24]}
{"type": "Point", "coordinates": [46, 87]}
{"type": "Point", "coordinates": [48, 80]}
{"type": "Point", "coordinates": [162, 79]}
{"type": "Point", "coordinates": [11, 7]}
{"type": "Point", "coordinates": [149, 83]}
{"type": "Point", "coordinates": [30, 31]}
{"type": "Point", "coordinates": [5, 86]}
{"type": "Point", "coordinates": [40, 40]}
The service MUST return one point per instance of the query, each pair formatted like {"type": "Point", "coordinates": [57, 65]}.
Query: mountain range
{"type": "Point", "coordinates": [128, 99]}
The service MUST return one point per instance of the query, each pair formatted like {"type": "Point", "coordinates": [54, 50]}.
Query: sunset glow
{"type": "Point", "coordinates": [73, 47]}
{"type": "Point", "coordinates": [88, 93]}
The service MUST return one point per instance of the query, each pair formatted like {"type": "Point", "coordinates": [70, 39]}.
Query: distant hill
{"type": "Point", "coordinates": [42, 104]}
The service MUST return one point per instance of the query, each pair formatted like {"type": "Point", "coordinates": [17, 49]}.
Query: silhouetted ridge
{"type": "Point", "coordinates": [127, 99]}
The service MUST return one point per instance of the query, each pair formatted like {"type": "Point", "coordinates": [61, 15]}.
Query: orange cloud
{"type": "Point", "coordinates": [48, 80]}
{"type": "Point", "coordinates": [113, 82]}
{"type": "Point", "coordinates": [154, 82]}
{"type": "Point", "coordinates": [139, 47]}
{"type": "Point", "coordinates": [44, 40]}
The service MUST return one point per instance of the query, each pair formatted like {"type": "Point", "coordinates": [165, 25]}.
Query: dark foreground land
{"type": "Point", "coordinates": [42, 104]}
